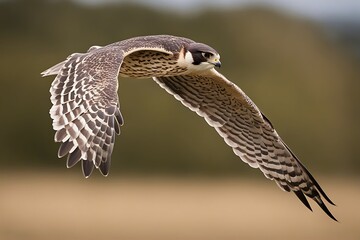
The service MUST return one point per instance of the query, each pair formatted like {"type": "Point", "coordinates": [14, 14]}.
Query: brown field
{"type": "Point", "coordinates": [65, 206]}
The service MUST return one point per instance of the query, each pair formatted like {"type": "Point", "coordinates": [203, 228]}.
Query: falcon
{"type": "Point", "coordinates": [86, 110]}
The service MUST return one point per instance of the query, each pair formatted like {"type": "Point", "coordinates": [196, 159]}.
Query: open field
{"type": "Point", "coordinates": [65, 206]}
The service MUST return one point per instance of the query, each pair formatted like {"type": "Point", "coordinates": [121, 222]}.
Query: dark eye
{"type": "Point", "coordinates": [207, 55]}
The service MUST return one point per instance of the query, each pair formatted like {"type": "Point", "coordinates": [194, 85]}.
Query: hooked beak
{"type": "Point", "coordinates": [216, 63]}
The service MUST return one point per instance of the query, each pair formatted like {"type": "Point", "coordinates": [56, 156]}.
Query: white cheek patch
{"type": "Point", "coordinates": [189, 58]}
{"type": "Point", "coordinates": [187, 61]}
{"type": "Point", "coordinates": [203, 66]}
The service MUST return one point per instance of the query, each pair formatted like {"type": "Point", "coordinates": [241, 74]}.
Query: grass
{"type": "Point", "coordinates": [66, 206]}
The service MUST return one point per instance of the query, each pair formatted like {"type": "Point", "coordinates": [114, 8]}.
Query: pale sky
{"type": "Point", "coordinates": [317, 9]}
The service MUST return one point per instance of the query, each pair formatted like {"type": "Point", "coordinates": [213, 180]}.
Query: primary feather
{"type": "Point", "coordinates": [86, 111]}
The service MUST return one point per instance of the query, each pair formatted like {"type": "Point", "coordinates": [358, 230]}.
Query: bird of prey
{"type": "Point", "coordinates": [86, 111]}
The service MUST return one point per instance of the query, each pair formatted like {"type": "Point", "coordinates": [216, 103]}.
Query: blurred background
{"type": "Point", "coordinates": [172, 176]}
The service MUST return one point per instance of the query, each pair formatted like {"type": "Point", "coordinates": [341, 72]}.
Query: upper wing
{"type": "Point", "coordinates": [244, 128]}
{"type": "Point", "coordinates": [85, 109]}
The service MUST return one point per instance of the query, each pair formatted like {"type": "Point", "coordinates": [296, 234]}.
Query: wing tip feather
{"type": "Point", "coordinates": [87, 167]}
{"type": "Point", "coordinates": [326, 210]}
{"type": "Point", "coordinates": [303, 199]}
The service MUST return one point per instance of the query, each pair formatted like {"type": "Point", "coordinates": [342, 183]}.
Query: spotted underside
{"type": "Point", "coordinates": [147, 64]}
{"type": "Point", "coordinates": [86, 110]}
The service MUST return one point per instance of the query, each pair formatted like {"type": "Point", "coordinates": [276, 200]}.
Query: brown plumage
{"type": "Point", "coordinates": [86, 111]}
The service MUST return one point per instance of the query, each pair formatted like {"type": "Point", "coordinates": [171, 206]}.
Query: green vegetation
{"type": "Point", "coordinates": [301, 80]}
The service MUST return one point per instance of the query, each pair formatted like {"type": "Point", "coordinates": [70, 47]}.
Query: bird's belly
{"type": "Point", "coordinates": [145, 64]}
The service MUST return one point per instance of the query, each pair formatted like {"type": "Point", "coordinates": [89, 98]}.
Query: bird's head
{"type": "Point", "coordinates": [201, 57]}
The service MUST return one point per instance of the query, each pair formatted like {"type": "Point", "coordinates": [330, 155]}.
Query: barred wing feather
{"type": "Point", "coordinates": [85, 109]}
{"type": "Point", "coordinates": [244, 128]}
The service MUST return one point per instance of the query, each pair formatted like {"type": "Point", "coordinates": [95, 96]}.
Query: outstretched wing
{"type": "Point", "coordinates": [244, 128]}
{"type": "Point", "coordinates": [85, 109]}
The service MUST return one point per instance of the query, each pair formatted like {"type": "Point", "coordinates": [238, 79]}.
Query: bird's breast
{"type": "Point", "coordinates": [145, 64]}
